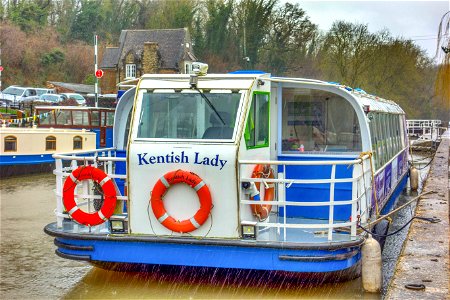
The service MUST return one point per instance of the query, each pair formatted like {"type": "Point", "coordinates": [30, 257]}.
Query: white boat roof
{"type": "Point", "coordinates": [244, 80]}
{"type": "Point", "coordinates": [22, 130]}
{"type": "Point", "coordinates": [374, 102]}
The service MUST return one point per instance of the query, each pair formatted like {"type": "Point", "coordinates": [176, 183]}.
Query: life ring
{"type": "Point", "coordinates": [194, 181]}
{"type": "Point", "coordinates": [262, 210]}
{"type": "Point", "coordinates": [109, 196]}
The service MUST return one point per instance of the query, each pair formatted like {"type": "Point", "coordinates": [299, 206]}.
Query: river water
{"type": "Point", "coordinates": [31, 270]}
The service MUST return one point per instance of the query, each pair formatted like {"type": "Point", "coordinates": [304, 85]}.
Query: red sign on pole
{"type": "Point", "coordinates": [99, 73]}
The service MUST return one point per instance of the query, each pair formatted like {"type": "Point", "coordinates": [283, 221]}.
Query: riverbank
{"type": "Point", "coordinates": [422, 271]}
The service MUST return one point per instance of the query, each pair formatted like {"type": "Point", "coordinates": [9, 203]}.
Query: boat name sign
{"type": "Point", "coordinates": [198, 159]}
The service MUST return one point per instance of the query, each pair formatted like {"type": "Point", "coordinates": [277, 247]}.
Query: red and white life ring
{"type": "Point", "coordinates": [194, 181]}
{"type": "Point", "coordinates": [262, 210]}
{"type": "Point", "coordinates": [109, 196]}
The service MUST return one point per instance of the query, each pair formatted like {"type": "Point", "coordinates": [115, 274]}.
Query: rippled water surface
{"type": "Point", "coordinates": [31, 270]}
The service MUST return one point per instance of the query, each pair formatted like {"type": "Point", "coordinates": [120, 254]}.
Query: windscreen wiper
{"type": "Point", "coordinates": [210, 105]}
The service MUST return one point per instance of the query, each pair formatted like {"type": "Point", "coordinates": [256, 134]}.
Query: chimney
{"type": "Point", "coordinates": [150, 58]}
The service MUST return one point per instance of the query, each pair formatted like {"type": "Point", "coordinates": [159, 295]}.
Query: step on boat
{"type": "Point", "coordinates": [241, 170]}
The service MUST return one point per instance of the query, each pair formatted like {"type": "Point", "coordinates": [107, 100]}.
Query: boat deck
{"type": "Point", "coordinates": [264, 234]}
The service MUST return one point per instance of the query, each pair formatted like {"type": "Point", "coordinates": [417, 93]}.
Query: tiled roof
{"type": "Point", "coordinates": [109, 59]}
{"type": "Point", "coordinates": [171, 43]}
{"type": "Point", "coordinates": [75, 87]}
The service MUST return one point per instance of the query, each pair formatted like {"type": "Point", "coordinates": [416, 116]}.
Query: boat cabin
{"type": "Point", "coordinates": [96, 119]}
{"type": "Point", "coordinates": [209, 127]}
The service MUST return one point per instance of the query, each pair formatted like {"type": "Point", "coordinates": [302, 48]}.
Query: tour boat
{"type": "Point", "coordinates": [242, 170]}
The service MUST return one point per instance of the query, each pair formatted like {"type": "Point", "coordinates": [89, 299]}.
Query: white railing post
{"type": "Point", "coordinates": [282, 197]}
{"type": "Point", "coordinates": [59, 192]}
{"type": "Point", "coordinates": [331, 214]}
{"type": "Point", "coordinates": [110, 163]}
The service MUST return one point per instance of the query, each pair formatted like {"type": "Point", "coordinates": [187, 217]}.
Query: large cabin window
{"type": "Point", "coordinates": [50, 143]}
{"type": "Point", "coordinates": [77, 143]}
{"type": "Point", "coordinates": [257, 128]}
{"type": "Point", "coordinates": [80, 118]}
{"type": "Point", "coordinates": [10, 143]}
{"type": "Point", "coordinates": [46, 117]}
{"type": "Point", "coordinates": [63, 117]}
{"type": "Point", "coordinates": [188, 115]}
{"type": "Point", "coordinates": [316, 121]}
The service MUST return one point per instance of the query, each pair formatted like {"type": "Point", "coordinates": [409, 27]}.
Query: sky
{"type": "Point", "coordinates": [415, 20]}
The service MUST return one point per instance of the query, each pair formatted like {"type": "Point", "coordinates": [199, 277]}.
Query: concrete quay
{"type": "Point", "coordinates": [422, 271]}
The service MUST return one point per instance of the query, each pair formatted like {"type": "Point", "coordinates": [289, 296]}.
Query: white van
{"type": "Point", "coordinates": [16, 94]}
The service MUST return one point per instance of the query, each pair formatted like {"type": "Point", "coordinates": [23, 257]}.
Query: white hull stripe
{"type": "Point", "coordinates": [199, 186]}
{"type": "Point", "coordinates": [164, 181]}
{"type": "Point", "coordinates": [74, 179]}
{"type": "Point", "coordinates": [74, 209]}
{"type": "Point", "coordinates": [105, 180]}
{"type": "Point", "coordinates": [194, 222]}
{"type": "Point", "coordinates": [101, 215]}
{"type": "Point", "coordinates": [163, 218]}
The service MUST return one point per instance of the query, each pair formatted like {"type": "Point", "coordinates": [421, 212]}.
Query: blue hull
{"type": "Point", "coordinates": [237, 254]}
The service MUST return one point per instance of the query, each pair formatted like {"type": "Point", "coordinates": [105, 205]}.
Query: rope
{"type": "Point", "coordinates": [431, 220]}
{"type": "Point", "coordinates": [372, 173]}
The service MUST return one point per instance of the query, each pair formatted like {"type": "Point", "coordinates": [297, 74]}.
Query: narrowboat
{"type": "Point", "coordinates": [30, 150]}
{"type": "Point", "coordinates": [242, 170]}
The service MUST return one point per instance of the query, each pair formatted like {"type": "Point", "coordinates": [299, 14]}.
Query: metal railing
{"type": "Point", "coordinates": [425, 130]}
{"type": "Point", "coordinates": [65, 164]}
{"type": "Point", "coordinates": [361, 181]}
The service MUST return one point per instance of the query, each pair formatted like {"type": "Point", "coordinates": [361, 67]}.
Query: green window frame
{"type": "Point", "coordinates": [257, 129]}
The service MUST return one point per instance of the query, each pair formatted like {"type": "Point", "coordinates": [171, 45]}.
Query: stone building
{"type": "Point", "coordinates": [163, 51]}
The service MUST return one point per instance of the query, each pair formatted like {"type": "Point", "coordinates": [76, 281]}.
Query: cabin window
{"type": "Point", "coordinates": [77, 143]}
{"type": "Point", "coordinates": [402, 130]}
{"type": "Point", "coordinates": [50, 143]}
{"type": "Point", "coordinates": [257, 128]}
{"type": "Point", "coordinates": [130, 71]}
{"type": "Point", "coordinates": [46, 117]}
{"type": "Point", "coordinates": [10, 144]}
{"type": "Point", "coordinates": [317, 121]}
{"type": "Point", "coordinates": [188, 115]}
{"type": "Point", "coordinates": [80, 118]}
{"type": "Point", "coordinates": [110, 118]}
{"type": "Point", "coordinates": [373, 138]}
{"type": "Point", "coordinates": [95, 118]}
{"type": "Point", "coordinates": [63, 117]}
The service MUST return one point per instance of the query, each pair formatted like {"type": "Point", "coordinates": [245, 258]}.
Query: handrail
{"type": "Point", "coordinates": [305, 163]}
{"type": "Point", "coordinates": [107, 159]}
{"type": "Point", "coordinates": [360, 201]}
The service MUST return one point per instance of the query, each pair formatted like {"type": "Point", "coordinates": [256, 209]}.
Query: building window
{"type": "Point", "coordinates": [50, 143]}
{"type": "Point", "coordinates": [187, 68]}
{"type": "Point", "coordinates": [10, 144]}
{"type": "Point", "coordinates": [130, 71]}
{"type": "Point", "coordinates": [77, 143]}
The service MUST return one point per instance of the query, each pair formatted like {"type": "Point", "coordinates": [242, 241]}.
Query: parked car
{"type": "Point", "coordinates": [79, 98]}
{"type": "Point", "coordinates": [41, 91]}
{"type": "Point", "coordinates": [52, 98]}
{"type": "Point", "coordinates": [13, 95]}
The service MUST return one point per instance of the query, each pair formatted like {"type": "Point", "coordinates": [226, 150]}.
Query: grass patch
{"type": "Point", "coordinates": [3, 110]}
